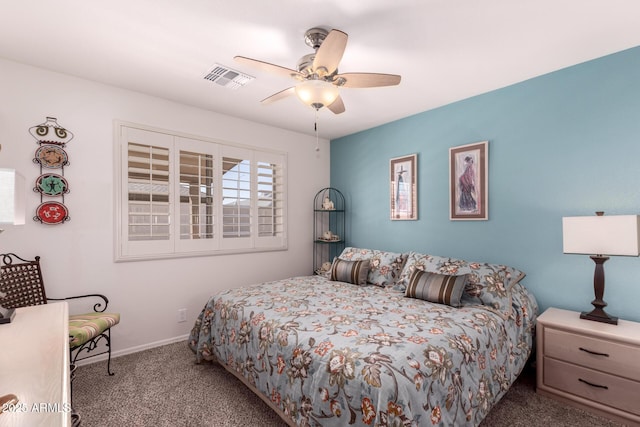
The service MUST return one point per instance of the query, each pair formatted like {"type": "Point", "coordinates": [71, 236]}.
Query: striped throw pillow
{"type": "Point", "coordinates": [350, 271]}
{"type": "Point", "coordinates": [438, 288]}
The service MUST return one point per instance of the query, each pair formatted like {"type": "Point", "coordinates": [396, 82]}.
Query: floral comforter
{"type": "Point", "coordinates": [328, 353]}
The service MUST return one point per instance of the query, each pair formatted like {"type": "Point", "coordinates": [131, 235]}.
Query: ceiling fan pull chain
{"type": "Point", "coordinates": [315, 127]}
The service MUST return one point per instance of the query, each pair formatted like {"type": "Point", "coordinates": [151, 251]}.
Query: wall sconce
{"type": "Point", "coordinates": [12, 197]}
{"type": "Point", "coordinates": [600, 236]}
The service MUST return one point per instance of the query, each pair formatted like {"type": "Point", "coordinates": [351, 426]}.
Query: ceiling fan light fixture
{"type": "Point", "coordinates": [317, 93]}
{"type": "Point", "coordinates": [318, 81]}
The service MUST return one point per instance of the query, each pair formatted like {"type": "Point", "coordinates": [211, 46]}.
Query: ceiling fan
{"type": "Point", "coordinates": [317, 73]}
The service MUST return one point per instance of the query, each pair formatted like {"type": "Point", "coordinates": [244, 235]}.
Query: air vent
{"type": "Point", "coordinates": [225, 76]}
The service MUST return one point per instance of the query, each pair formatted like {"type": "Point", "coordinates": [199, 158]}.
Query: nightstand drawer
{"type": "Point", "coordinates": [608, 356]}
{"type": "Point", "coordinates": [597, 386]}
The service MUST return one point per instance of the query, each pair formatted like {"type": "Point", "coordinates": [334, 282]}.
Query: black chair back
{"type": "Point", "coordinates": [21, 282]}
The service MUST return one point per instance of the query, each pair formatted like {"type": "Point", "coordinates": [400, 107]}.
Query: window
{"type": "Point", "coordinates": [179, 196]}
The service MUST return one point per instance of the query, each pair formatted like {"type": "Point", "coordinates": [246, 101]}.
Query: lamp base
{"type": "Point", "coordinates": [599, 315]}
{"type": "Point", "coordinates": [9, 316]}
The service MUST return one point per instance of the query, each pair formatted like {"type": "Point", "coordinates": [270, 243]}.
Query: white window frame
{"type": "Point", "coordinates": [174, 246]}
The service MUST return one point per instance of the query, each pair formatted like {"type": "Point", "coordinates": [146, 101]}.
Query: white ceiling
{"type": "Point", "coordinates": [445, 50]}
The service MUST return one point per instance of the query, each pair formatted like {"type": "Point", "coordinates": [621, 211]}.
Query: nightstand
{"type": "Point", "coordinates": [594, 366]}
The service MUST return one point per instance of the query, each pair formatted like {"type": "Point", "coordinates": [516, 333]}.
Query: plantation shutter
{"type": "Point", "coordinates": [148, 195]}
{"type": "Point", "coordinates": [197, 192]}
{"type": "Point", "coordinates": [271, 202]}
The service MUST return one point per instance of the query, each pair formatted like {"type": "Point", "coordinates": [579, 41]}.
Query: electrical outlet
{"type": "Point", "coordinates": [182, 315]}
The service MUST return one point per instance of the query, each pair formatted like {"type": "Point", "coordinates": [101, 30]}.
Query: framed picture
{"type": "Point", "coordinates": [468, 181]}
{"type": "Point", "coordinates": [404, 187]}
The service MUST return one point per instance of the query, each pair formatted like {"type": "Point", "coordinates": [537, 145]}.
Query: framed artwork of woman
{"type": "Point", "coordinates": [468, 181]}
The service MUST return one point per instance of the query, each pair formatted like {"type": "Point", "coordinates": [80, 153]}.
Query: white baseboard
{"type": "Point", "coordinates": [131, 350]}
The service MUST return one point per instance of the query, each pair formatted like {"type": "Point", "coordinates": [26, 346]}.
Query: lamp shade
{"type": "Point", "coordinates": [601, 235]}
{"type": "Point", "coordinates": [12, 197]}
{"type": "Point", "coordinates": [317, 93]}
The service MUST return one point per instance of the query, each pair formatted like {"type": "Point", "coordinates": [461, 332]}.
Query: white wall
{"type": "Point", "coordinates": [77, 256]}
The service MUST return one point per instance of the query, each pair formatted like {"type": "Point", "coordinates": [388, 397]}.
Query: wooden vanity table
{"type": "Point", "coordinates": [34, 366]}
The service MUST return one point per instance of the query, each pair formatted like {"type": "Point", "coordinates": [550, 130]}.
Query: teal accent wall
{"type": "Point", "coordinates": [562, 144]}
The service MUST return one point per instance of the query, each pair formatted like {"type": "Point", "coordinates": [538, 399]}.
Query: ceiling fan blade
{"type": "Point", "coordinates": [362, 80]}
{"type": "Point", "coordinates": [278, 96]}
{"type": "Point", "coordinates": [330, 51]}
{"type": "Point", "coordinates": [337, 106]}
{"type": "Point", "coordinates": [270, 68]}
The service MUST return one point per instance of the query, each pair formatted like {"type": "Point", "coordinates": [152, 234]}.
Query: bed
{"type": "Point", "coordinates": [365, 344]}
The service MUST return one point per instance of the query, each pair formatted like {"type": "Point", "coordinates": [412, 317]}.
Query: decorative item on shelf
{"type": "Point", "coordinates": [51, 138]}
{"type": "Point", "coordinates": [324, 268]}
{"type": "Point", "coordinates": [12, 197]}
{"type": "Point", "coordinates": [327, 204]}
{"type": "Point", "coordinates": [599, 236]}
{"type": "Point", "coordinates": [328, 236]}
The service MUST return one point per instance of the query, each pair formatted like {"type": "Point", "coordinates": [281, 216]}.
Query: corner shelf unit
{"type": "Point", "coordinates": [327, 218]}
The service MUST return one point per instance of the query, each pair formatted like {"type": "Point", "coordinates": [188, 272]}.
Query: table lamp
{"type": "Point", "coordinates": [12, 211]}
{"type": "Point", "coordinates": [12, 198]}
{"type": "Point", "coordinates": [600, 236]}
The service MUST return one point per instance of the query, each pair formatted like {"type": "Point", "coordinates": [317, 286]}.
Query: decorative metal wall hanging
{"type": "Point", "coordinates": [50, 155]}
{"type": "Point", "coordinates": [51, 184]}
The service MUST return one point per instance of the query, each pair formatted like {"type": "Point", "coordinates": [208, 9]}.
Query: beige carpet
{"type": "Point", "coordinates": [164, 387]}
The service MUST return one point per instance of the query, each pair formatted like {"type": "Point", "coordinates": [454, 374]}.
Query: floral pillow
{"type": "Point", "coordinates": [384, 267]}
{"type": "Point", "coordinates": [488, 284]}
